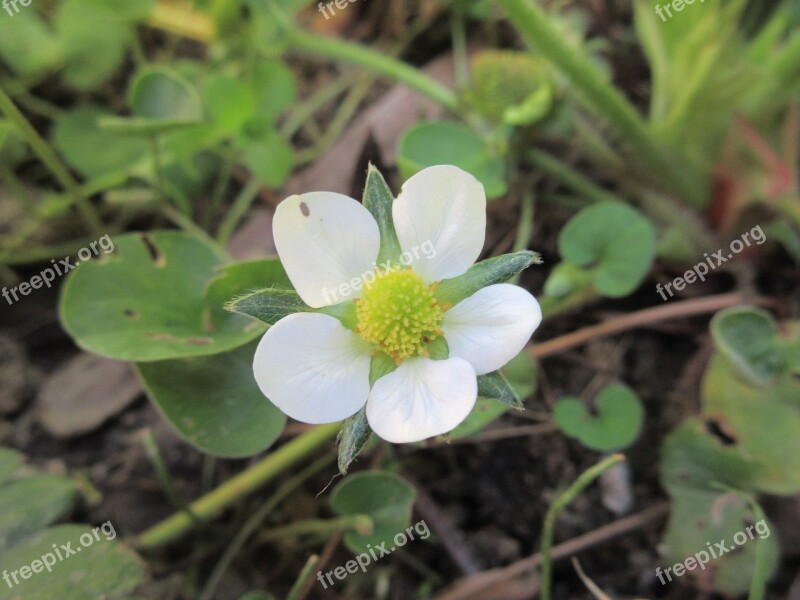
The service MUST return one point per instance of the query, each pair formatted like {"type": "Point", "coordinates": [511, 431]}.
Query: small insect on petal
{"type": "Point", "coordinates": [304, 209]}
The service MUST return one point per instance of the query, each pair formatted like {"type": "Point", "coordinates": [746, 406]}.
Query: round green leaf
{"type": "Point", "coordinates": [164, 94]}
{"type": "Point", "coordinates": [93, 39]}
{"type": "Point", "coordinates": [146, 301]}
{"type": "Point", "coordinates": [747, 337]}
{"type": "Point", "coordinates": [214, 403]}
{"type": "Point", "coordinates": [614, 241]}
{"type": "Point", "coordinates": [442, 143]}
{"type": "Point", "coordinates": [616, 425]}
{"type": "Point", "coordinates": [229, 101]}
{"type": "Point", "coordinates": [101, 569]}
{"type": "Point", "coordinates": [385, 497]}
{"type": "Point", "coordinates": [265, 153]}
{"type": "Point", "coordinates": [274, 87]}
{"type": "Point", "coordinates": [77, 136]}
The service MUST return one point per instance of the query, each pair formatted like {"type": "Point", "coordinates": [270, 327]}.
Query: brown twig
{"type": "Point", "coordinates": [469, 588]}
{"type": "Point", "coordinates": [648, 316]}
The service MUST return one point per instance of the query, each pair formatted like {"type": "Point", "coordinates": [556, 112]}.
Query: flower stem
{"type": "Point", "coordinates": [365, 57]}
{"type": "Point", "coordinates": [303, 578]}
{"type": "Point", "coordinates": [232, 490]}
{"type": "Point", "coordinates": [600, 96]}
{"type": "Point", "coordinates": [51, 160]}
{"type": "Point", "coordinates": [568, 496]}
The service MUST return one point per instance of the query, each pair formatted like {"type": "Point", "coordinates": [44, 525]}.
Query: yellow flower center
{"type": "Point", "coordinates": [399, 313]}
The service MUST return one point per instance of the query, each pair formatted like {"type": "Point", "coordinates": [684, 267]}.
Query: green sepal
{"type": "Point", "coordinates": [494, 385]}
{"type": "Point", "coordinates": [485, 273]}
{"type": "Point", "coordinates": [352, 439]}
{"type": "Point", "coordinates": [269, 305]}
{"type": "Point", "coordinates": [378, 201]}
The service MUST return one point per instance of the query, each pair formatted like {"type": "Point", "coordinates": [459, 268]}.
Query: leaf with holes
{"type": "Point", "coordinates": [693, 463]}
{"type": "Point", "coordinates": [758, 420]}
{"type": "Point", "coordinates": [616, 425]}
{"type": "Point", "coordinates": [384, 497]}
{"type": "Point", "coordinates": [146, 301]}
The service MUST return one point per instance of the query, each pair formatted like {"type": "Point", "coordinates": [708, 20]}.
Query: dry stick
{"type": "Point", "coordinates": [648, 316]}
{"type": "Point", "coordinates": [469, 587]}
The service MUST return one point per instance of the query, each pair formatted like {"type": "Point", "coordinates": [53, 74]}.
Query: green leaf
{"type": "Point", "coordinates": [378, 201]}
{"type": "Point", "coordinates": [757, 422]}
{"type": "Point", "coordinates": [521, 374]}
{"type": "Point", "coordinates": [747, 337]}
{"type": "Point", "coordinates": [443, 143]}
{"type": "Point", "coordinates": [163, 94]}
{"type": "Point", "coordinates": [229, 101]}
{"type": "Point", "coordinates": [693, 464]}
{"type": "Point", "coordinates": [612, 240]}
{"type": "Point", "coordinates": [103, 568]}
{"type": "Point", "coordinates": [10, 463]}
{"type": "Point", "coordinates": [214, 403]}
{"type": "Point", "coordinates": [385, 497]}
{"type": "Point", "coordinates": [274, 87]}
{"type": "Point", "coordinates": [494, 385]}
{"type": "Point", "coordinates": [28, 45]}
{"type": "Point", "coordinates": [30, 504]}
{"type": "Point", "coordinates": [616, 425]}
{"type": "Point", "coordinates": [146, 302]}
{"type": "Point", "coordinates": [485, 273]}
{"type": "Point", "coordinates": [266, 154]}
{"type": "Point", "coordinates": [93, 39]}
{"type": "Point", "coordinates": [486, 411]}
{"type": "Point", "coordinates": [353, 437]}
{"type": "Point", "coordinates": [77, 136]}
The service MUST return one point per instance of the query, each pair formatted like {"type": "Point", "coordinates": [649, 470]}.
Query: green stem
{"type": "Point", "coordinates": [570, 177]}
{"type": "Point", "coordinates": [599, 95]}
{"type": "Point", "coordinates": [305, 576]}
{"type": "Point", "coordinates": [563, 500]}
{"type": "Point", "coordinates": [255, 521]}
{"type": "Point", "coordinates": [365, 57]}
{"type": "Point", "coordinates": [51, 160]}
{"type": "Point", "coordinates": [524, 228]}
{"type": "Point", "coordinates": [239, 486]}
{"type": "Point", "coordinates": [321, 527]}
{"type": "Point", "coordinates": [238, 210]}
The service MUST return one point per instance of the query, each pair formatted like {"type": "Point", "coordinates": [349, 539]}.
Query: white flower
{"type": "Point", "coordinates": [316, 370]}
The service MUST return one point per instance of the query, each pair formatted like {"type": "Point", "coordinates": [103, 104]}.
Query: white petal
{"type": "Point", "coordinates": [313, 368]}
{"type": "Point", "coordinates": [440, 219]}
{"type": "Point", "coordinates": [490, 327]}
{"type": "Point", "coordinates": [325, 240]}
{"type": "Point", "coordinates": [421, 399]}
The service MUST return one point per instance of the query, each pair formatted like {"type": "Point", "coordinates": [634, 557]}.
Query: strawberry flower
{"type": "Point", "coordinates": [379, 329]}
